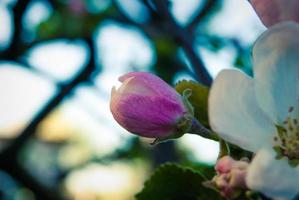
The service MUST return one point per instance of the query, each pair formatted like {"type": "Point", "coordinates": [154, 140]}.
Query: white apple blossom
{"type": "Point", "coordinates": [261, 114]}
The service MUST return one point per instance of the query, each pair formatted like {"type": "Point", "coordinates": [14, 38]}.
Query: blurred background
{"type": "Point", "coordinates": [59, 61]}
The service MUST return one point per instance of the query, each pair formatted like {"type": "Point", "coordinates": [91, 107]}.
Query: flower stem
{"type": "Point", "coordinates": [198, 129]}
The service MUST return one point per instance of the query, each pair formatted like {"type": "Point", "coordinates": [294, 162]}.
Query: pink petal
{"type": "Point", "coordinates": [148, 116]}
{"type": "Point", "coordinates": [274, 11]}
{"type": "Point", "coordinates": [153, 84]}
{"type": "Point", "coordinates": [224, 165]}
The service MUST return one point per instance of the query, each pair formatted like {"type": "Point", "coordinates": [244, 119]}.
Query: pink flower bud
{"type": "Point", "coordinates": [226, 164]}
{"type": "Point", "coordinates": [147, 106]}
{"type": "Point", "coordinates": [274, 11]}
{"type": "Point", "coordinates": [230, 176]}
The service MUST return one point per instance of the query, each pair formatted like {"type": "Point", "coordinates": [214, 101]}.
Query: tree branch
{"type": "Point", "coordinates": [209, 5]}
{"type": "Point", "coordinates": [183, 38]}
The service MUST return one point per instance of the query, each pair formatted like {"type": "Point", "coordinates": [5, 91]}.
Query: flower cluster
{"type": "Point", "coordinates": [261, 114]}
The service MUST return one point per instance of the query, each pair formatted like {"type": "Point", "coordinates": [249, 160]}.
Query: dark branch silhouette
{"type": "Point", "coordinates": [183, 39]}
{"type": "Point", "coordinates": [208, 6]}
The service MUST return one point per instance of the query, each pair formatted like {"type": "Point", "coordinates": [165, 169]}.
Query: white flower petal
{"type": "Point", "coordinates": [276, 69]}
{"type": "Point", "coordinates": [235, 114]}
{"type": "Point", "coordinates": [274, 178]}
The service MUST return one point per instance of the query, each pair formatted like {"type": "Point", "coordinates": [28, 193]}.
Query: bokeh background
{"type": "Point", "coordinates": [59, 61]}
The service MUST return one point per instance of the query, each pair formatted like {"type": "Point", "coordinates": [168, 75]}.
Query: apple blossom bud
{"type": "Point", "coordinates": [147, 106]}
{"type": "Point", "coordinates": [274, 11]}
{"type": "Point", "coordinates": [230, 178]}
{"type": "Point", "coordinates": [226, 164]}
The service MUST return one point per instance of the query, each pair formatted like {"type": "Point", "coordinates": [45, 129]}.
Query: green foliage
{"type": "Point", "coordinates": [66, 24]}
{"type": "Point", "coordinates": [207, 170]}
{"type": "Point", "coordinates": [198, 99]}
{"type": "Point", "coordinates": [174, 182]}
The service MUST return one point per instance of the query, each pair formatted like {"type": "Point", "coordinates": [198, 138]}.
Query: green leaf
{"type": "Point", "coordinates": [198, 99]}
{"type": "Point", "coordinates": [174, 182]}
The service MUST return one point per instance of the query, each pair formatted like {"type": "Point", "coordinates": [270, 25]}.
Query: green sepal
{"type": "Point", "coordinates": [186, 95]}
{"type": "Point", "coordinates": [182, 127]}
{"type": "Point", "coordinates": [224, 149]}
{"type": "Point", "coordinates": [198, 99]}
